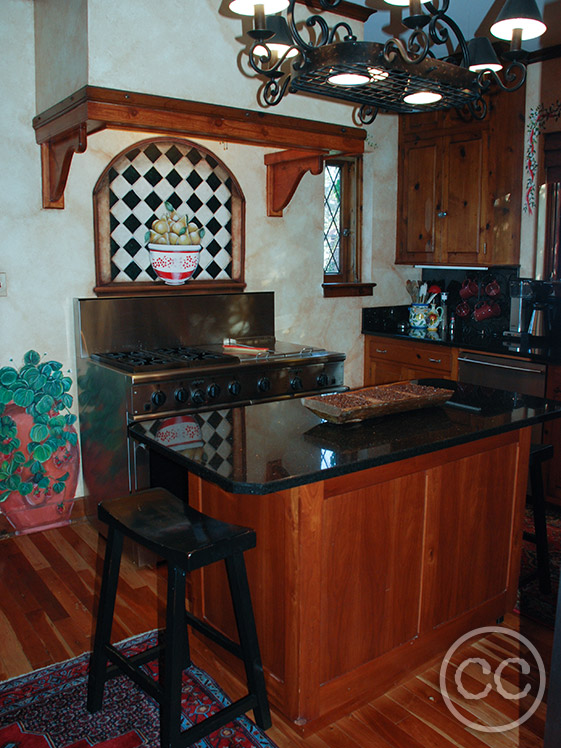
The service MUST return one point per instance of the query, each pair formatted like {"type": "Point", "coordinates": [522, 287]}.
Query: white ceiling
{"type": "Point", "coordinates": [474, 17]}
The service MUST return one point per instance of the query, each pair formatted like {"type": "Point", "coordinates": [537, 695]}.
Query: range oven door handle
{"type": "Point", "coordinates": [500, 366]}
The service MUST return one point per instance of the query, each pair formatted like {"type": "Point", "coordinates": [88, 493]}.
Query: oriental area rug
{"type": "Point", "coordinates": [531, 602]}
{"type": "Point", "coordinates": [47, 709]}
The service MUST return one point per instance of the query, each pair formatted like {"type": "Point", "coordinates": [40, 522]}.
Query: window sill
{"type": "Point", "coordinates": [331, 290]}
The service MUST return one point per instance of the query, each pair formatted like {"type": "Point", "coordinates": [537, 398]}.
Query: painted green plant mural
{"type": "Point", "coordinates": [35, 447]}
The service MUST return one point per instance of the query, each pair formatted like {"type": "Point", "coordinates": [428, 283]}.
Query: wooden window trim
{"type": "Point", "coordinates": [348, 282]}
{"type": "Point", "coordinates": [335, 290]}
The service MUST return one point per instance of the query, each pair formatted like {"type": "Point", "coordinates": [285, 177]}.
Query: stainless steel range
{"type": "Point", "coordinates": [141, 358]}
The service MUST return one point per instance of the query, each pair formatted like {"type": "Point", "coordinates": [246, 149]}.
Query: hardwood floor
{"type": "Point", "coordinates": [48, 588]}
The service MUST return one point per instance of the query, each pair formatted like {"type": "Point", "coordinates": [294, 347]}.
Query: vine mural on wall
{"type": "Point", "coordinates": [39, 456]}
{"type": "Point", "coordinates": [537, 121]}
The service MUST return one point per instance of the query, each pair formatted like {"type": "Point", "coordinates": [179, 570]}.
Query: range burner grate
{"type": "Point", "coordinates": [188, 353]}
{"type": "Point", "coordinates": [164, 358]}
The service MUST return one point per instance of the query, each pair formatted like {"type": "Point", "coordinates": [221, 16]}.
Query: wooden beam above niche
{"type": "Point", "coordinates": [92, 109]}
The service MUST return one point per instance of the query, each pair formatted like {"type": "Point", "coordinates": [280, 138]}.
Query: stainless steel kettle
{"type": "Point", "coordinates": [539, 326]}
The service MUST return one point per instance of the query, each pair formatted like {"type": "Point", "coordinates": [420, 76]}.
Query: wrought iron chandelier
{"type": "Point", "coordinates": [395, 76]}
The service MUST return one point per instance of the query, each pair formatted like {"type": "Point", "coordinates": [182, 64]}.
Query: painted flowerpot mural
{"type": "Point", "coordinates": [39, 456]}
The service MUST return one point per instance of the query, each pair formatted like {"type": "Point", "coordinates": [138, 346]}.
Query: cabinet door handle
{"type": "Point", "coordinates": [380, 350]}
{"type": "Point", "coordinates": [442, 214]}
{"type": "Point", "coordinates": [435, 360]}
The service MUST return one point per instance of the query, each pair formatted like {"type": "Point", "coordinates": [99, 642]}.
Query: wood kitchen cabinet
{"type": "Point", "coordinates": [552, 435]}
{"type": "Point", "coordinates": [459, 186]}
{"type": "Point", "coordinates": [389, 360]}
{"type": "Point", "coordinates": [443, 203]}
{"type": "Point", "coordinates": [361, 578]}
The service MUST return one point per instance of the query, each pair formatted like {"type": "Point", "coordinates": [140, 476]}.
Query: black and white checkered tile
{"type": "Point", "coordinates": [217, 437]}
{"type": "Point", "coordinates": [142, 181]}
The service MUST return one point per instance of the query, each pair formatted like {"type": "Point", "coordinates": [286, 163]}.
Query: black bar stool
{"type": "Point", "coordinates": [187, 540]}
{"type": "Point", "coordinates": [539, 453]}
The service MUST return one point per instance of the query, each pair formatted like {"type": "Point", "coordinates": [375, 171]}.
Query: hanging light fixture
{"type": "Point", "coordinates": [396, 76]}
{"type": "Point", "coordinates": [519, 15]}
{"type": "Point", "coordinates": [482, 56]}
{"type": "Point", "coordinates": [278, 39]}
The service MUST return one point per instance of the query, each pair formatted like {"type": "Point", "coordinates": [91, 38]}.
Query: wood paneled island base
{"type": "Point", "coordinates": [359, 579]}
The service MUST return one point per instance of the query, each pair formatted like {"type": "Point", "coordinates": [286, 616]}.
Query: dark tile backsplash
{"type": "Point", "coordinates": [451, 281]}
{"type": "Point", "coordinates": [394, 319]}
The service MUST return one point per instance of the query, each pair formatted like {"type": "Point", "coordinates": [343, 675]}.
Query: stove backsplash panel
{"type": "Point", "coordinates": [128, 323]}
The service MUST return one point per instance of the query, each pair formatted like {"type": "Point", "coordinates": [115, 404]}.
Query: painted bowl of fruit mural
{"type": "Point", "coordinates": [174, 263]}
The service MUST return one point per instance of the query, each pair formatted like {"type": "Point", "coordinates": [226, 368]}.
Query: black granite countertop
{"type": "Point", "coordinates": [269, 447]}
{"type": "Point", "coordinates": [377, 321]}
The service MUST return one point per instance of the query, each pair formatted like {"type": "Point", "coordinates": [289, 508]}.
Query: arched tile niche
{"type": "Point", "coordinates": [133, 191]}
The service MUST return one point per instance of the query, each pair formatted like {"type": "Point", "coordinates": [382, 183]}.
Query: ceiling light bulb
{"type": "Point", "coordinates": [519, 14]}
{"type": "Point", "coordinates": [348, 79]}
{"type": "Point", "coordinates": [247, 7]}
{"type": "Point", "coordinates": [478, 67]}
{"type": "Point", "coordinates": [279, 49]}
{"type": "Point", "coordinates": [422, 97]}
{"type": "Point", "coordinates": [377, 74]}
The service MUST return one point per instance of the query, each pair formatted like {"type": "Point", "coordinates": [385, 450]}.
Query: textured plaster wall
{"type": "Point", "coordinates": [48, 254]}
{"type": "Point", "coordinates": [61, 43]}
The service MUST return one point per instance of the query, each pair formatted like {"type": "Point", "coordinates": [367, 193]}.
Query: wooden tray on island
{"type": "Point", "coordinates": [371, 402]}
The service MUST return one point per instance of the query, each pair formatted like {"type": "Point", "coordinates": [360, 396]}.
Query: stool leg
{"type": "Point", "coordinates": [540, 528]}
{"type": "Point", "coordinates": [108, 591]}
{"type": "Point", "coordinates": [174, 659]}
{"type": "Point", "coordinates": [243, 609]}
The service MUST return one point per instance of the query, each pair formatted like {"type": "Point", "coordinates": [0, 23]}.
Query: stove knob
{"type": "Point", "coordinates": [213, 390]}
{"type": "Point", "coordinates": [234, 388]}
{"type": "Point", "coordinates": [158, 398]}
{"type": "Point", "coordinates": [296, 383]}
{"type": "Point", "coordinates": [181, 395]}
{"type": "Point", "coordinates": [322, 380]}
{"type": "Point", "coordinates": [264, 384]}
{"type": "Point", "coordinates": [198, 397]}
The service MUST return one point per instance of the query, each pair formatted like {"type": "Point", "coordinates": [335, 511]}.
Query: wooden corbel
{"type": "Point", "coordinates": [285, 169]}
{"type": "Point", "coordinates": [56, 157]}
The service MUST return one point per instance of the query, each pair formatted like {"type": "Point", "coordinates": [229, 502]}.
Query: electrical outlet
{"type": "Point", "coordinates": [3, 286]}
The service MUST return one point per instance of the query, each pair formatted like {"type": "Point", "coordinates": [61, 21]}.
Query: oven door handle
{"type": "Point", "coordinates": [501, 366]}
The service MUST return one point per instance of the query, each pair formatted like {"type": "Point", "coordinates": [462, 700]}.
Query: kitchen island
{"type": "Point", "coordinates": [378, 543]}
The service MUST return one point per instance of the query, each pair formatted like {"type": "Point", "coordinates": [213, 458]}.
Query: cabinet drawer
{"type": "Point", "coordinates": [412, 354]}
{"type": "Point", "coordinates": [553, 383]}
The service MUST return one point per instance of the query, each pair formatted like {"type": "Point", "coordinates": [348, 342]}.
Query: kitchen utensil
{"type": "Point", "coordinates": [463, 309]}
{"type": "Point", "coordinates": [432, 297]}
{"type": "Point", "coordinates": [521, 296]}
{"type": "Point", "coordinates": [469, 288]}
{"type": "Point", "coordinates": [485, 309]}
{"type": "Point", "coordinates": [434, 317]}
{"type": "Point", "coordinates": [418, 315]}
{"type": "Point", "coordinates": [423, 293]}
{"type": "Point", "coordinates": [539, 321]}
{"type": "Point", "coordinates": [493, 289]}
